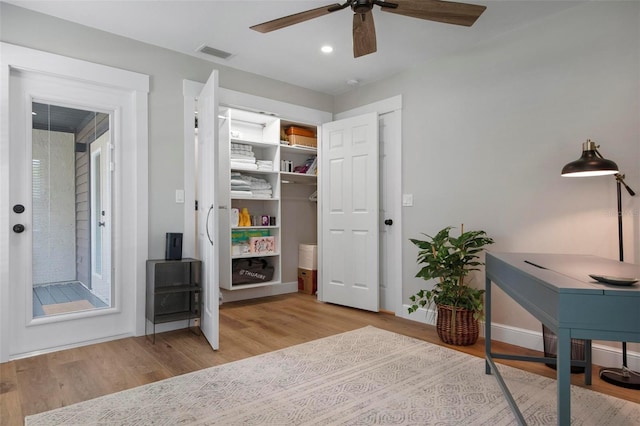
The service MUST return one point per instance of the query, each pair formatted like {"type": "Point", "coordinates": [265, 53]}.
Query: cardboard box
{"type": "Point", "coordinates": [303, 140]}
{"type": "Point", "coordinates": [307, 281]}
{"type": "Point", "coordinates": [308, 256]}
{"type": "Point", "coordinates": [262, 244]}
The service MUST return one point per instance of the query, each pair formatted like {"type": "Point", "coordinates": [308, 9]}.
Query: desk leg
{"type": "Point", "coordinates": [588, 367]}
{"type": "Point", "coordinates": [564, 376]}
{"type": "Point", "coordinates": [487, 325]}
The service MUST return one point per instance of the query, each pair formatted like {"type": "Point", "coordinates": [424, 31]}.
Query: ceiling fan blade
{"type": "Point", "coordinates": [364, 34]}
{"type": "Point", "coordinates": [296, 18]}
{"type": "Point", "coordinates": [438, 10]}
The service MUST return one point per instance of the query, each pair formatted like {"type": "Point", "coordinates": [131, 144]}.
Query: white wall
{"type": "Point", "coordinates": [167, 70]}
{"type": "Point", "coordinates": [487, 131]}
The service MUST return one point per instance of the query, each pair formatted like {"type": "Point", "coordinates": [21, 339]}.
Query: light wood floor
{"type": "Point", "coordinates": [247, 328]}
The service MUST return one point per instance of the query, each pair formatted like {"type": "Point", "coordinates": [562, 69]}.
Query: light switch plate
{"type": "Point", "coordinates": [407, 200]}
{"type": "Point", "coordinates": [180, 196]}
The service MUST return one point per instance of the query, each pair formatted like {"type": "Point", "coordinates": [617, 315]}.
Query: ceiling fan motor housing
{"type": "Point", "coordinates": [361, 6]}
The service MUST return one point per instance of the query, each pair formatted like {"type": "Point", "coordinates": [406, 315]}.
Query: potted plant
{"type": "Point", "coordinates": [450, 260]}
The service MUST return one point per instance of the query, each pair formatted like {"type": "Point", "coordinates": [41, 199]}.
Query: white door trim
{"type": "Point", "coordinates": [244, 101]}
{"type": "Point", "coordinates": [382, 107]}
{"type": "Point", "coordinates": [131, 245]}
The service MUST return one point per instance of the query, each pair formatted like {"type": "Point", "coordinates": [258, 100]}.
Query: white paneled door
{"type": "Point", "coordinates": [350, 212]}
{"type": "Point", "coordinates": [208, 212]}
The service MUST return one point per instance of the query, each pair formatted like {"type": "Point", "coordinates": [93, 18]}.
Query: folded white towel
{"type": "Point", "coordinates": [244, 166]}
{"type": "Point", "coordinates": [241, 147]}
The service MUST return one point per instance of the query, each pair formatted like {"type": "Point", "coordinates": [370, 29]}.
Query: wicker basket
{"type": "Point", "coordinates": [466, 327]}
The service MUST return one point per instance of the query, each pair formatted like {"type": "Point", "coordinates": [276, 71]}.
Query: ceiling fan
{"type": "Point", "coordinates": [364, 32]}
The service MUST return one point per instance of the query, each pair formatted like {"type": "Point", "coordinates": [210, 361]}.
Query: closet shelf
{"type": "Point", "coordinates": [246, 286]}
{"type": "Point", "coordinates": [288, 177]}
{"type": "Point", "coordinates": [298, 149]}
{"type": "Point", "coordinates": [254, 171]}
{"type": "Point", "coordinates": [242, 228]}
{"type": "Point", "coordinates": [235, 197]}
{"type": "Point", "coordinates": [251, 255]}
{"type": "Point", "coordinates": [297, 223]}
{"type": "Point", "coordinates": [254, 143]}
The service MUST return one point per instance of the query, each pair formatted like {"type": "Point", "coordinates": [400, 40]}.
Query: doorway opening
{"type": "Point", "coordinates": [71, 195]}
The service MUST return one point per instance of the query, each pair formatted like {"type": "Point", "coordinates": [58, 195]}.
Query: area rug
{"type": "Point", "coordinates": [61, 308]}
{"type": "Point", "coordinates": [363, 377]}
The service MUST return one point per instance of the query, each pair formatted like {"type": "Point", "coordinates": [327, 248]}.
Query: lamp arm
{"type": "Point", "coordinates": [620, 178]}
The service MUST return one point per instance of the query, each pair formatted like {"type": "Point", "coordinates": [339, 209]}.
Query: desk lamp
{"type": "Point", "coordinates": [592, 163]}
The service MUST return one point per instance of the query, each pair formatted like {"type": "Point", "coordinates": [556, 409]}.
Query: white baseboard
{"type": "Point", "coordinates": [257, 292]}
{"type": "Point", "coordinates": [603, 355]}
{"type": "Point", "coordinates": [70, 346]}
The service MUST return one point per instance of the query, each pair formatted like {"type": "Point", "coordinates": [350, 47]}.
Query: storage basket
{"type": "Point", "coordinates": [251, 271]}
{"type": "Point", "coordinates": [466, 326]}
{"type": "Point", "coordinates": [550, 343]}
{"type": "Point", "coordinates": [301, 131]}
{"type": "Point", "coordinates": [303, 140]}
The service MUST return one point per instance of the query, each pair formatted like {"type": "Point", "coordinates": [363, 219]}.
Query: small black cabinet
{"type": "Point", "coordinates": [173, 290]}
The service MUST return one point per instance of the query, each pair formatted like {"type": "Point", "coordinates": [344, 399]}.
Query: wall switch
{"type": "Point", "coordinates": [179, 195]}
{"type": "Point", "coordinates": [407, 200]}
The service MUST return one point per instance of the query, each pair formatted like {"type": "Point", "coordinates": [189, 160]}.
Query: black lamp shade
{"type": "Point", "coordinates": [590, 163]}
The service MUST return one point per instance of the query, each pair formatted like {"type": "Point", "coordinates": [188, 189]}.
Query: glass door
{"type": "Point", "coordinates": [50, 294]}
{"type": "Point", "coordinates": [70, 203]}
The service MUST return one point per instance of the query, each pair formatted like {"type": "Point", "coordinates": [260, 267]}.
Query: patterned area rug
{"type": "Point", "coordinates": [362, 377]}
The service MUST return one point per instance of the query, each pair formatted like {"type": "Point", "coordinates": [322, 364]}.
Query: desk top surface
{"type": "Point", "coordinates": [570, 272]}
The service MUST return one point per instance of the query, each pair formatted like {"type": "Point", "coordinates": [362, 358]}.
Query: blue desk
{"type": "Point", "coordinates": [562, 296]}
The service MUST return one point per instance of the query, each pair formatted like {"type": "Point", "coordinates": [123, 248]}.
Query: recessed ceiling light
{"type": "Point", "coordinates": [326, 49]}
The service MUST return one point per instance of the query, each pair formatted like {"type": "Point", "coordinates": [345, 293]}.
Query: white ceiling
{"type": "Point", "coordinates": [293, 54]}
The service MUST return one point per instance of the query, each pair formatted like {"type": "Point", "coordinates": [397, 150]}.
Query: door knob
{"type": "Point", "coordinates": [388, 222]}
{"type": "Point", "coordinates": [18, 228]}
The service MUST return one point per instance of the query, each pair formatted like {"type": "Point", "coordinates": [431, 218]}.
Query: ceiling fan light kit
{"type": "Point", "coordinates": [364, 33]}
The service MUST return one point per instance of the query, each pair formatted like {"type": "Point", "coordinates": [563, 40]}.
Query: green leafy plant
{"type": "Point", "coordinates": [450, 260]}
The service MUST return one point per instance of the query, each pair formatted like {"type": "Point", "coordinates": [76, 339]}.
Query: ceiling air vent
{"type": "Point", "coordinates": [208, 50]}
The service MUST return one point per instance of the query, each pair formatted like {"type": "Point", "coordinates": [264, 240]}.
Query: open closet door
{"type": "Point", "coordinates": [349, 198]}
{"type": "Point", "coordinates": [207, 218]}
